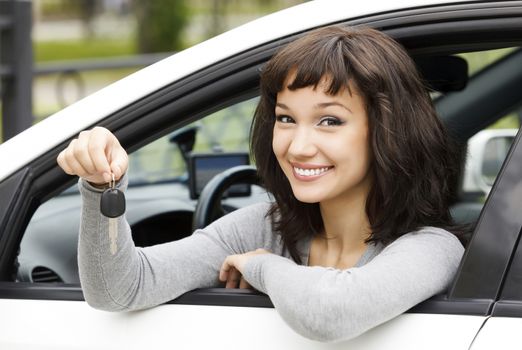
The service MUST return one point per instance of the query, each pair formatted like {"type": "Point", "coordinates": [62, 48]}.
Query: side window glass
{"type": "Point", "coordinates": [157, 198]}
{"type": "Point", "coordinates": [486, 152]}
{"type": "Point", "coordinates": [495, 151]}
{"type": "Point", "coordinates": [487, 149]}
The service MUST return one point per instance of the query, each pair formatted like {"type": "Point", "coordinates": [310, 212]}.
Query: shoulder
{"type": "Point", "coordinates": [426, 260]}
{"type": "Point", "coordinates": [433, 245]}
{"type": "Point", "coordinates": [429, 236]}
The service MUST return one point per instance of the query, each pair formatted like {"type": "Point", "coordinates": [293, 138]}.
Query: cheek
{"type": "Point", "coordinates": [365, 154]}
{"type": "Point", "coordinates": [279, 142]}
{"type": "Point", "coordinates": [352, 148]}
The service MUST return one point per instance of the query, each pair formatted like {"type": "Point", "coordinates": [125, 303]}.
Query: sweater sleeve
{"type": "Point", "coordinates": [327, 304]}
{"type": "Point", "coordinates": [136, 278]}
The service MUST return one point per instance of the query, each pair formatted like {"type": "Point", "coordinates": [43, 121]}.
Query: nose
{"type": "Point", "coordinates": [302, 144]}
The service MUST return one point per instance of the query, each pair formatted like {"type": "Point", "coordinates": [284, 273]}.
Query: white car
{"type": "Point", "coordinates": [205, 95]}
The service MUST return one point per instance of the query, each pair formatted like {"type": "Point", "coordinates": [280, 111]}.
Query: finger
{"type": "Point", "coordinates": [99, 139]}
{"type": "Point", "coordinates": [225, 268]}
{"type": "Point", "coordinates": [76, 167]}
{"type": "Point", "coordinates": [243, 284]}
{"type": "Point", "coordinates": [62, 162]}
{"type": "Point", "coordinates": [120, 163]}
{"type": "Point", "coordinates": [234, 277]}
{"type": "Point", "coordinates": [81, 153]}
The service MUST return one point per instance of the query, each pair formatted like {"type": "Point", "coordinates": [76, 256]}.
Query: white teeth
{"type": "Point", "coordinates": [310, 172]}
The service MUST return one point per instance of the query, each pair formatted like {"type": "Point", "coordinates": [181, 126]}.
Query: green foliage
{"type": "Point", "coordinates": [510, 121]}
{"type": "Point", "coordinates": [60, 9]}
{"type": "Point", "coordinates": [74, 49]}
{"type": "Point", "coordinates": [241, 7]}
{"type": "Point", "coordinates": [480, 59]}
{"type": "Point", "coordinates": [160, 25]}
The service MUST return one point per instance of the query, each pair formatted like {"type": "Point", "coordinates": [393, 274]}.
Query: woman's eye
{"type": "Point", "coordinates": [330, 121]}
{"type": "Point", "coordinates": [284, 119]}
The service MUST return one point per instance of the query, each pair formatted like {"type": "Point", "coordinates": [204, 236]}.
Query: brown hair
{"type": "Point", "coordinates": [414, 161]}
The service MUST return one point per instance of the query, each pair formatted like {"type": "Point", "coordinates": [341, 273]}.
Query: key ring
{"type": "Point", "coordinates": [112, 183]}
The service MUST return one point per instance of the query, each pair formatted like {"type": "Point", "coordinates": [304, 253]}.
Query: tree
{"type": "Point", "coordinates": [160, 24]}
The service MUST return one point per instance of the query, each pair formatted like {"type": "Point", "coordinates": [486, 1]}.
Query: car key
{"type": "Point", "coordinates": [112, 205]}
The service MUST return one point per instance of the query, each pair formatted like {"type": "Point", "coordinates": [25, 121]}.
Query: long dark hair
{"type": "Point", "coordinates": [415, 164]}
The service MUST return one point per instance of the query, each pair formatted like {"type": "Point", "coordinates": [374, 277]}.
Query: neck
{"type": "Point", "coordinates": [345, 221]}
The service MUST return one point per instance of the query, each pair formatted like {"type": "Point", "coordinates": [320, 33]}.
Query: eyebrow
{"type": "Point", "coordinates": [318, 106]}
{"type": "Point", "coordinates": [328, 104]}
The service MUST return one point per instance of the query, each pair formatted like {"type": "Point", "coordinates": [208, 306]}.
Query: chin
{"type": "Point", "coordinates": [308, 198]}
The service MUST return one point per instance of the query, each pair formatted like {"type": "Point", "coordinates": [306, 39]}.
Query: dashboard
{"type": "Point", "coordinates": [157, 214]}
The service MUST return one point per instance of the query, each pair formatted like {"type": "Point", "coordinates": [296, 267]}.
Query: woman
{"type": "Point", "coordinates": [361, 172]}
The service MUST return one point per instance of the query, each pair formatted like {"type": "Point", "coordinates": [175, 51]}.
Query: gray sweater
{"type": "Point", "coordinates": [321, 303]}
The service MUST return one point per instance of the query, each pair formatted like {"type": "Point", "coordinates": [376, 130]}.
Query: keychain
{"type": "Point", "coordinates": [112, 205]}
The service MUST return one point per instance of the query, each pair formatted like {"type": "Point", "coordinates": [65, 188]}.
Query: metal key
{"type": "Point", "coordinates": [112, 205]}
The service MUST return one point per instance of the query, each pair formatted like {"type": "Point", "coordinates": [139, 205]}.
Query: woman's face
{"type": "Point", "coordinates": [321, 143]}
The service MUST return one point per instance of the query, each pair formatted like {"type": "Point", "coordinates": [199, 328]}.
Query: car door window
{"type": "Point", "coordinates": [158, 175]}
{"type": "Point", "coordinates": [156, 199]}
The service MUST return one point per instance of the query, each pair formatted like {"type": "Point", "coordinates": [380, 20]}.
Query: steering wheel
{"type": "Point", "coordinates": [209, 206]}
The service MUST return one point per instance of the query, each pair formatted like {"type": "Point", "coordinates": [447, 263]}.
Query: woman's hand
{"type": "Point", "coordinates": [232, 269]}
{"type": "Point", "coordinates": [93, 156]}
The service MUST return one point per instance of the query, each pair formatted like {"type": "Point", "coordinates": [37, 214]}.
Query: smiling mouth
{"type": "Point", "coordinates": [311, 172]}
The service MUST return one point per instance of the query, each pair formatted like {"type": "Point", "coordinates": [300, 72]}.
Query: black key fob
{"type": "Point", "coordinates": [112, 203]}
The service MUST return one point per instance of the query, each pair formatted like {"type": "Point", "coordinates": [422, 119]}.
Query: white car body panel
{"type": "Point", "coordinates": [33, 142]}
{"type": "Point", "coordinates": [60, 325]}
{"type": "Point", "coordinates": [499, 333]}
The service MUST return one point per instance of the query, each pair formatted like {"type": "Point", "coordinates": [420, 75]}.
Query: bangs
{"type": "Point", "coordinates": [311, 61]}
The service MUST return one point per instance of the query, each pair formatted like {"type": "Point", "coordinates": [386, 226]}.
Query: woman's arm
{"type": "Point", "coordinates": [135, 278]}
{"type": "Point", "coordinates": [327, 304]}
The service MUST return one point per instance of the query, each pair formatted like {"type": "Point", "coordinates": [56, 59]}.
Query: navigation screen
{"type": "Point", "coordinates": [203, 167]}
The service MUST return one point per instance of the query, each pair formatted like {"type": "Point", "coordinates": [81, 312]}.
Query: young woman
{"type": "Point", "coordinates": [361, 171]}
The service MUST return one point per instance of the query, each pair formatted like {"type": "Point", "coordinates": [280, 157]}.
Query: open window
{"type": "Point", "coordinates": [157, 198]}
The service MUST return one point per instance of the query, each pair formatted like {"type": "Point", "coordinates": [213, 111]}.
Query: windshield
{"type": "Point", "coordinates": [226, 130]}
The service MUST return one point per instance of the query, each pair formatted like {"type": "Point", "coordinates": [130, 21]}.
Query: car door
{"type": "Point", "coordinates": [54, 316]}
{"type": "Point", "coordinates": [502, 327]}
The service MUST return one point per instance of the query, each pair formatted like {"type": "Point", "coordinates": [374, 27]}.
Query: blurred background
{"type": "Point", "coordinates": [79, 46]}
{"type": "Point", "coordinates": [55, 52]}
